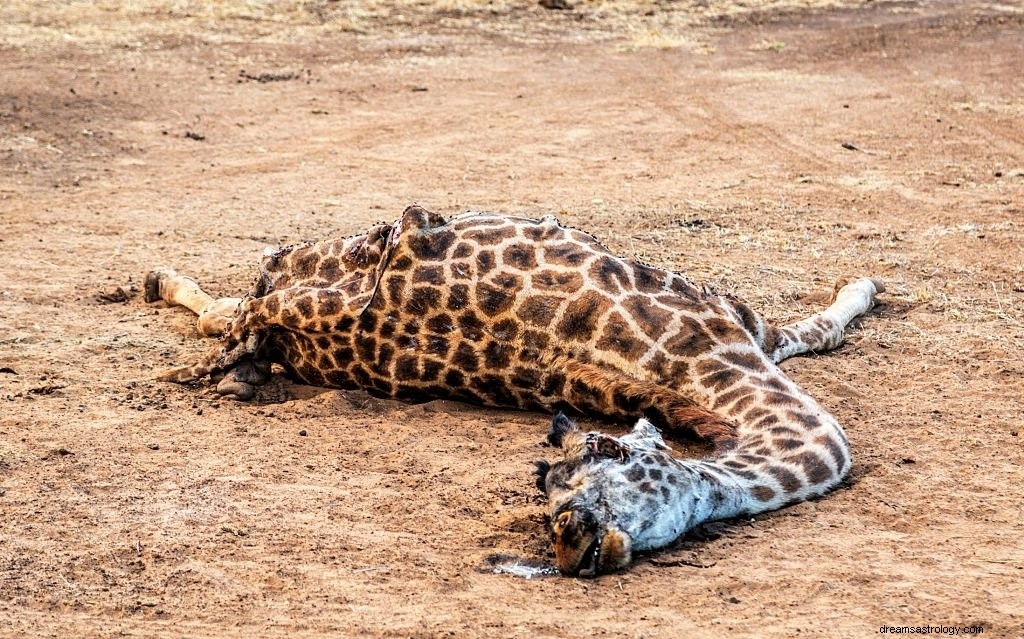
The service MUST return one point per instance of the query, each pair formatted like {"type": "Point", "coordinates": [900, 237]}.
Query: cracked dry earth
{"type": "Point", "coordinates": [764, 152]}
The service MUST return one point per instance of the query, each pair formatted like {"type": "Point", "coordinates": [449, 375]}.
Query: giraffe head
{"type": "Point", "coordinates": [610, 496]}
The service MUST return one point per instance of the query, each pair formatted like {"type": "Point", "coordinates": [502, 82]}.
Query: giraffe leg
{"type": "Point", "coordinates": [618, 396]}
{"type": "Point", "coordinates": [215, 315]}
{"type": "Point", "coordinates": [239, 349]}
{"type": "Point", "coordinates": [178, 290]}
{"type": "Point", "coordinates": [825, 330]}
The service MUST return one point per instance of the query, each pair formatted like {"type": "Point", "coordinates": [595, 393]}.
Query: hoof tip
{"type": "Point", "coordinates": [151, 285]}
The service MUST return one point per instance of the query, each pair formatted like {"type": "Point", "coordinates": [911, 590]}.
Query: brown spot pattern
{"type": "Point", "coordinates": [539, 310]}
{"type": "Point", "coordinates": [619, 338]}
{"type": "Point", "coordinates": [581, 316]}
{"type": "Point", "coordinates": [446, 320]}
{"type": "Point", "coordinates": [815, 469]}
{"type": "Point", "coordinates": [651, 319]}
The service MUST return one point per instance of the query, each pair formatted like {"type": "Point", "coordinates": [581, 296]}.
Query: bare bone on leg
{"type": "Point", "coordinates": [178, 290]}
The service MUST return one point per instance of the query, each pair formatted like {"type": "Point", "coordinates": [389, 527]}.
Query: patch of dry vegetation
{"type": "Point", "coordinates": [643, 23]}
{"type": "Point", "coordinates": [938, 298]}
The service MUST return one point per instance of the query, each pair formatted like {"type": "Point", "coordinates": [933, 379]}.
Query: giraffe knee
{"type": "Point", "coordinates": [215, 317]}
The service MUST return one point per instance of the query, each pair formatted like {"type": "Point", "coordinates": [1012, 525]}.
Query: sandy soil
{"type": "Point", "coordinates": [764, 148]}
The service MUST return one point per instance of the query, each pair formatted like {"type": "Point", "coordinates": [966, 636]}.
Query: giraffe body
{"type": "Point", "coordinates": [528, 314]}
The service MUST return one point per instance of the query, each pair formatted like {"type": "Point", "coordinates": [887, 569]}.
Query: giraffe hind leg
{"type": "Point", "coordinates": [178, 290]}
{"type": "Point", "coordinates": [825, 330]}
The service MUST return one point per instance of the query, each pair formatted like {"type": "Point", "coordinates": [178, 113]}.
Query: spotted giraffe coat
{"type": "Point", "coordinates": [499, 311]}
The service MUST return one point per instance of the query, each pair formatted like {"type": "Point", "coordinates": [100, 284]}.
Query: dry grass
{"type": "Point", "coordinates": [642, 23]}
{"type": "Point", "coordinates": [939, 306]}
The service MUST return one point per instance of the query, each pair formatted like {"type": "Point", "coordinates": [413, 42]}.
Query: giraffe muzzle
{"type": "Point", "coordinates": [586, 548]}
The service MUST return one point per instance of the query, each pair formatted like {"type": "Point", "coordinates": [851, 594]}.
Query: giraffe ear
{"type": "Point", "coordinates": [560, 426]}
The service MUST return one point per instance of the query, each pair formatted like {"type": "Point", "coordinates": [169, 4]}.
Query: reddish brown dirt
{"type": "Point", "coordinates": [136, 508]}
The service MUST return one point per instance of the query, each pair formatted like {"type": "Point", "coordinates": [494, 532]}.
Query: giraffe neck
{"type": "Point", "coordinates": [751, 479]}
{"type": "Point", "coordinates": [703, 494]}
{"type": "Point", "coordinates": [788, 449]}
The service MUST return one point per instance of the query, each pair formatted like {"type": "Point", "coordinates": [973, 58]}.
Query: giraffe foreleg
{"type": "Point", "coordinates": [825, 330]}
{"type": "Point", "coordinates": [243, 335]}
{"type": "Point", "coordinates": [233, 348]}
{"type": "Point", "coordinates": [239, 352]}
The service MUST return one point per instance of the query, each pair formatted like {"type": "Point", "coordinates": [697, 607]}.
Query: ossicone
{"type": "Point", "coordinates": [560, 425]}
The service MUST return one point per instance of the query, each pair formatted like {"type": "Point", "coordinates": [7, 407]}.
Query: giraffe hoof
{"type": "Point", "coordinates": [151, 285]}
{"type": "Point", "coordinates": [241, 381]}
{"type": "Point", "coordinates": [229, 388]}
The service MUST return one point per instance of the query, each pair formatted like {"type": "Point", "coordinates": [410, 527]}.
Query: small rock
{"type": "Point", "coordinates": [153, 446]}
{"type": "Point", "coordinates": [302, 433]}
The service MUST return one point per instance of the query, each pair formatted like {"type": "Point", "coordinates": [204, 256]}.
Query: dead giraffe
{"type": "Point", "coordinates": [522, 313]}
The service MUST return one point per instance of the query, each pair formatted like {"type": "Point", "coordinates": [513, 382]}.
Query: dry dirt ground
{"type": "Point", "coordinates": [765, 148]}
